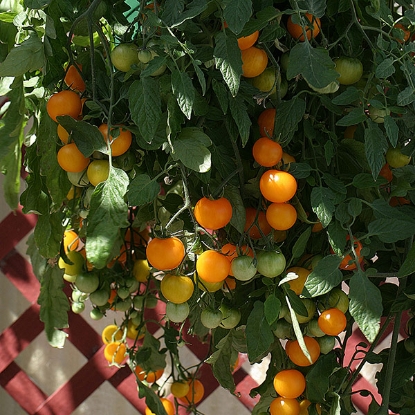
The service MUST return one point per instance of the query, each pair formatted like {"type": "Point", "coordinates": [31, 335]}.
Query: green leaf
{"type": "Point", "coordinates": [301, 243]}
{"type": "Point", "coordinates": [351, 94]}
{"type": "Point", "coordinates": [142, 190]}
{"type": "Point", "coordinates": [108, 213]}
{"type": "Point", "coordinates": [337, 237]}
{"type": "Point", "coordinates": [48, 233]}
{"type": "Point", "coordinates": [385, 69]}
{"type": "Point", "coordinates": [259, 336]}
{"type": "Point", "coordinates": [87, 137]}
{"type": "Point", "coordinates": [322, 204]}
{"type": "Point", "coordinates": [300, 170]}
{"type": "Point", "coordinates": [241, 118]}
{"type": "Point", "coordinates": [38, 263]}
{"type": "Point", "coordinates": [365, 304]}
{"type": "Point", "coordinates": [355, 116]}
{"type": "Point", "coordinates": [26, 57]}
{"type": "Point", "coordinates": [57, 182]}
{"type": "Point", "coordinates": [408, 266]}
{"type": "Point", "coordinates": [149, 356]}
{"type": "Point", "coordinates": [221, 361]}
{"type": "Point", "coordinates": [392, 130]}
{"type": "Point", "coordinates": [145, 106]}
{"type": "Point", "coordinates": [228, 60]}
{"type": "Point", "coordinates": [314, 64]}
{"type": "Point", "coordinates": [405, 97]}
{"type": "Point", "coordinates": [354, 207]}
{"type": "Point", "coordinates": [236, 13]}
{"type": "Point", "coordinates": [233, 194]}
{"type": "Point", "coordinates": [324, 277]}
{"type": "Point", "coordinates": [392, 229]}
{"type": "Point", "coordinates": [11, 141]}
{"type": "Point", "coordinates": [315, 7]}
{"type": "Point", "coordinates": [184, 91]}
{"type": "Point", "coordinates": [272, 307]}
{"type": "Point", "coordinates": [288, 117]}
{"type": "Point", "coordinates": [375, 147]}
{"type": "Point", "coordinates": [366, 180]}
{"type": "Point", "coordinates": [152, 399]}
{"type": "Point", "coordinates": [190, 148]}
{"type": "Point", "coordinates": [319, 377]}
{"type": "Point", "coordinates": [335, 184]}
{"type": "Point", "coordinates": [174, 13]}
{"type": "Point", "coordinates": [221, 94]}
{"type": "Point", "coordinates": [54, 306]}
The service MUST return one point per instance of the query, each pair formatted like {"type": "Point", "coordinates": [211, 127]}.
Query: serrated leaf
{"type": "Point", "coordinates": [233, 194]}
{"type": "Point", "coordinates": [175, 12]}
{"type": "Point", "coordinates": [301, 243]}
{"type": "Point", "coordinates": [241, 118]}
{"type": "Point", "coordinates": [259, 336]}
{"type": "Point", "coordinates": [366, 180]}
{"type": "Point", "coordinates": [322, 204]}
{"type": "Point", "coordinates": [315, 7]}
{"type": "Point", "coordinates": [190, 148]}
{"type": "Point", "coordinates": [142, 190]}
{"type": "Point", "coordinates": [319, 377]}
{"type": "Point", "coordinates": [228, 60]}
{"type": "Point", "coordinates": [385, 69]}
{"type": "Point", "coordinates": [152, 399]}
{"type": "Point", "coordinates": [108, 213]}
{"type": "Point", "coordinates": [221, 94]}
{"type": "Point", "coordinates": [335, 184]}
{"type": "Point", "coordinates": [26, 57]}
{"type": "Point", "coordinates": [351, 94]}
{"type": "Point", "coordinates": [354, 207]}
{"type": "Point", "coordinates": [406, 97]}
{"type": "Point", "coordinates": [221, 360]}
{"type": "Point", "coordinates": [392, 229]}
{"type": "Point", "coordinates": [272, 307]}
{"type": "Point", "coordinates": [236, 13]}
{"type": "Point", "coordinates": [355, 116]}
{"type": "Point", "coordinates": [300, 170]}
{"type": "Point", "coordinates": [87, 137]}
{"type": "Point", "coordinates": [288, 117]}
{"type": "Point", "coordinates": [375, 148]}
{"type": "Point", "coordinates": [54, 306]}
{"type": "Point", "coordinates": [337, 237]}
{"type": "Point", "coordinates": [408, 266]}
{"type": "Point", "coordinates": [48, 233]}
{"type": "Point", "coordinates": [365, 304]}
{"type": "Point", "coordinates": [184, 91]}
{"type": "Point", "coordinates": [145, 106]}
{"type": "Point", "coordinates": [325, 276]}
{"type": "Point", "coordinates": [392, 130]}
{"type": "Point", "coordinates": [314, 64]}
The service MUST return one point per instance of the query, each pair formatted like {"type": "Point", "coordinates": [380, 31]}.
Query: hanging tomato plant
{"type": "Point", "coordinates": [161, 169]}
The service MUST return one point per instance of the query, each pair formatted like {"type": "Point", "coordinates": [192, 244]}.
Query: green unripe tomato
{"type": "Point", "coordinates": [87, 282]}
{"type": "Point", "coordinates": [396, 159]}
{"type": "Point", "coordinates": [243, 268]}
{"type": "Point", "coordinates": [349, 69]}
{"type": "Point", "coordinates": [124, 56]}
{"type": "Point", "coordinates": [177, 313]}
{"type": "Point", "coordinates": [100, 297]}
{"type": "Point", "coordinates": [96, 314]}
{"type": "Point", "coordinates": [231, 317]}
{"type": "Point", "coordinates": [270, 263]}
{"type": "Point", "coordinates": [211, 318]}
{"type": "Point", "coordinates": [77, 308]}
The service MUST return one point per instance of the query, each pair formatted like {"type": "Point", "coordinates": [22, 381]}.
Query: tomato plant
{"type": "Point", "coordinates": [162, 145]}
